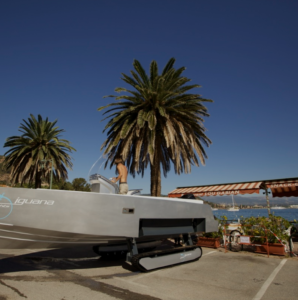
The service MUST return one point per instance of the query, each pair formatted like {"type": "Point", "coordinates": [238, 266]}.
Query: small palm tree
{"type": "Point", "coordinates": [36, 151]}
{"type": "Point", "coordinates": [156, 123]}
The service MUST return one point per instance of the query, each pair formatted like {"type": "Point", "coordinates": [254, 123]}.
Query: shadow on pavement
{"type": "Point", "coordinates": [80, 257]}
{"type": "Point", "coordinates": [60, 259]}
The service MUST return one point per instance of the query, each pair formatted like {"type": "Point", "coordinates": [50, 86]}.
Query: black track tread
{"type": "Point", "coordinates": [136, 258]}
{"type": "Point", "coordinates": [109, 253]}
{"type": "Point", "coordinates": [116, 253]}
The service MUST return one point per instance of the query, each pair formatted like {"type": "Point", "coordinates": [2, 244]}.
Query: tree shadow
{"type": "Point", "coordinates": [81, 257]}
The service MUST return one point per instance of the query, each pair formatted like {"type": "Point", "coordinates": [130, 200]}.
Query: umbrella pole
{"type": "Point", "coordinates": [267, 199]}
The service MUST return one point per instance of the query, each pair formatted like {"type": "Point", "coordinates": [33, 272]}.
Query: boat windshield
{"type": "Point", "coordinates": [98, 167]}
{"type": "Point", "coordinates": [97, 170]}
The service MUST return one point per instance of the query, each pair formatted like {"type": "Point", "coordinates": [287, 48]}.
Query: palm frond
{"type": "Point", "coordinates": [168, 66]}
{"type": "Point", "coordinates": [138, 67]}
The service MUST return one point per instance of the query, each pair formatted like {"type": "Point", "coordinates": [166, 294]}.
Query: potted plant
{"type": "Point", "coordinates": [274, 228]}
{"type": "Point", "coordinates": [210, 239]}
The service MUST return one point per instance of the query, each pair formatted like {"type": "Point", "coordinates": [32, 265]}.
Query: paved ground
{"type": "Point", "coordinates": [75, 274]}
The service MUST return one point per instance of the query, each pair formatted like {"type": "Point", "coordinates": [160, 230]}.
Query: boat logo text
{"type": "Point", "coordinates": [6, 207]}
{"type": "Point", "coordinates": [183, 255]}
{"type": "Point", "coordinates": [21, 201]}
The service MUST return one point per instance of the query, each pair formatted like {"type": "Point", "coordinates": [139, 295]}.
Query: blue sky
{"type": "Point", "coordinates": [59, 58]}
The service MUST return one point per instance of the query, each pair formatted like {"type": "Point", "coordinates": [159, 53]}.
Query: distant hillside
{"type": "Point", "coordinates": [4, 175]}
{"type": "Point", "coordinates": [258, 200]}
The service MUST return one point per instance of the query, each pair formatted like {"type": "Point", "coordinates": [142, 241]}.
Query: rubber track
{"type": "Point", "coordinates": [136, 258]}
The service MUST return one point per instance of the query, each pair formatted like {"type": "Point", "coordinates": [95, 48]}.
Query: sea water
{"type": "Point", "coordinates": [289, 214]}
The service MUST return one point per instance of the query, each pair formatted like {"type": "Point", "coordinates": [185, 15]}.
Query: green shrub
{"type": "Point", "coordinates": [259, 227]}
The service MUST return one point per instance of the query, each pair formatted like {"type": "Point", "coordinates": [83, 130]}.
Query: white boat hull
{"type": "Point", "coordinates": [52, 218]}
{"type": "Point", "coordinates": [233, 209]}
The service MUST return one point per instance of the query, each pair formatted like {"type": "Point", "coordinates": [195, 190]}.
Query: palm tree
{"type": "Point", "coordinates": [36, 151]}
{"type": "Point", "coordinates": [156, 123]}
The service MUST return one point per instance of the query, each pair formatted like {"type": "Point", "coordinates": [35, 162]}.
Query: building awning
{"type": "Point", "coordinates": [285, 187]}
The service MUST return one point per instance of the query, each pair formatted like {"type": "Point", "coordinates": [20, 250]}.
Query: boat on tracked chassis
{"type": "Point", "coordinates": [105, 220]}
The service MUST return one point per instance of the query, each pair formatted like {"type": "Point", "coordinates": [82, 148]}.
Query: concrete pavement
{"type": "Point", "coordinates": [77, 273]}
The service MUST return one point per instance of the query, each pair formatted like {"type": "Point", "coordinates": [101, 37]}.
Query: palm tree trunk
{"type": "Point", "coordinates": [158, 186]}
{"type": "Point", "coordinates": [155, 177]}
{"type": "Point", "coordinates": [38, 180]}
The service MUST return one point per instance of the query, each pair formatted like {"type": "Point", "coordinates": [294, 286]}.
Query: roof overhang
{"type": "Point", "coordinates": [285, 187]}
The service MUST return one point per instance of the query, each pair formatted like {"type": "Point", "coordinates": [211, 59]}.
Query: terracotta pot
{"type": "Point", "coordinates": [209, 242]}
{"type": "Point", "coordinates": [276, 249]}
